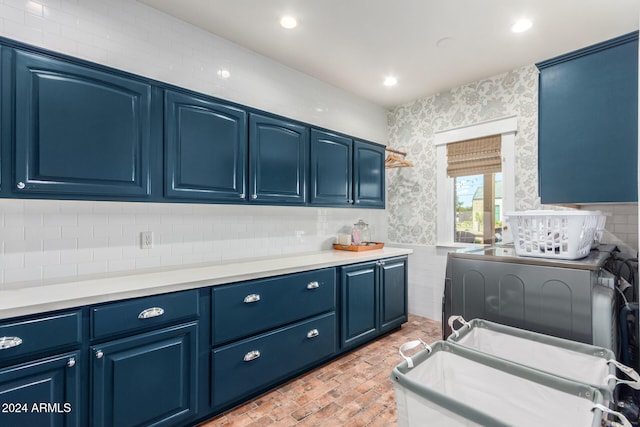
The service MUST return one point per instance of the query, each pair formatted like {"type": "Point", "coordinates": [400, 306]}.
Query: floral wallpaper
{"type": "Point", "coordinates": [411, 192]}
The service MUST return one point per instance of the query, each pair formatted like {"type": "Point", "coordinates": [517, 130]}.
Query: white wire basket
{"type": "Point", "coordinates": [554, 234]}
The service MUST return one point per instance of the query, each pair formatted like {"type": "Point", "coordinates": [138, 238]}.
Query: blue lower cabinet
{"type": "Point", "coordinates": [374, 299]}
{"type": "Point", "coordinates": [42, 393]}
{"type": "Point", "coordinates": [393, 293]}
{"type": "Point", "coordinates": [359, 303]}
{"type": "Point", "coordinates": [149, 379]}
{"type": "Point", "coordinates": [245, 368]}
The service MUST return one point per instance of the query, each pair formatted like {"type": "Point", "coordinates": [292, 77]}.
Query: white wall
{"type": "Point", "coordinates": [130, 36]}
{"type": "Point", "coordinates": [44, 241]}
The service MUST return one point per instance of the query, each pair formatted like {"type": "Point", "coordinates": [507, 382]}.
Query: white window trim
{"type": "Point", "coordinates": [506, 127]}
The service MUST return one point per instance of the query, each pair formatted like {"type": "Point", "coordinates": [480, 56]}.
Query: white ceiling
{"type": "Point", "coordinates": [429, 45]}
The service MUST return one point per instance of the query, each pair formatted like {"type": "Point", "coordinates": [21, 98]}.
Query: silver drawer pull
{"type": "Point", "coordinates": [99, 354]}
{"type": "Point", "coordinates": [252, 355]}
{"type": "Point", "coordinates": [71, 362]}
{"type": "Point", "coordinates": [151, 312]}
{"type": "Point", "coordinates": [313, 333]}
{"type": "Point", "coordinates": [9, 342]}
{"type": "Point", "coordinates": [252, 298]}
{"type": "Point", "coordinates": [313, 285]}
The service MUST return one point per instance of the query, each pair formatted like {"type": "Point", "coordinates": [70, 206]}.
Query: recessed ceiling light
{"type": "Point", "coordinates": [224, 74]}
{"type": "Point", "coordinates": [288, 22]}
{"type": "Point", "coordinates": [390, 81]}
{"type": "Point", "coordinates": [521, 25]}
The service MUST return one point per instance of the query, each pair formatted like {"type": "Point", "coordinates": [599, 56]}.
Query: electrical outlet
{"type": "Point", "coordinates": [146, 240]}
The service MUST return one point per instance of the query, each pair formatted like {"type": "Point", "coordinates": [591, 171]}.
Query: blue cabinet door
{"type": "Point", "coordinates": [205, 149]}
{"type": "Point", "coordinates": [79, 131]}
{"type": "Point", "coordinates": [331, 169]}
{"type": "Point", "coordinates": [368, 168]}
{"type": "Point", "coordinates": [278, 160]}
{"type": "Point", "coordinates": [148, 379]}
{"type": "Point", "coordinates": [43, 393]}
{"type": "Point", "coordinates": [359, 288]}
{"type": "Point", "coordinates": [393, 293]}
{"type": "Point", "coordinates": [588, 124]}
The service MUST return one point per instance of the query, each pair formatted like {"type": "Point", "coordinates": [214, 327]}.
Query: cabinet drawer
{"type": "Point", "coordinates": [251, 307]}
{"type": "Point", "coordinates": [142, 313]}
{"type": "Point", "coordinates": [251, 365]}
{"type": "Point", "coordinates": [18, 339]}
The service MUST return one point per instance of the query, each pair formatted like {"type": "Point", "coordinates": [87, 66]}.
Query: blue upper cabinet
{"type": "Point", "coordinates": [331, 169]}
{"type": "Point", "coordinates": [346, 172]}
{"type": "Point", "coordinates": [278, 157]}
{"type": "Point", "coordinates": [205, 149]}
{"type": "Point", "coordinates": [588, 124]}
{"type": "Point", "coordinates": [368, 170]}
{"type": "Point", "coordinates": [79, 131]}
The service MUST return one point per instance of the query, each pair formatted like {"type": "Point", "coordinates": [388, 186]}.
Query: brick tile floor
{"type": "Point", "coordinates": [352, 391]}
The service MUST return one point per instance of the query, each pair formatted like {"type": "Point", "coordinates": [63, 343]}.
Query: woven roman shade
{"type": "Point", "coordinates": [474, 156]}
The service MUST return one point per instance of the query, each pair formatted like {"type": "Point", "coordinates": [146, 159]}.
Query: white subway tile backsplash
{"type": "Point", "coordinates": [121, 265]}
{"type": "Point", "coordinates": [147, 262]}
{"type": "Point", "coordinates": [59, 271]}
{"type": "Point", "coordinates": [25, 274]}
{"type": "Point", "coordinates": [94, 267]}
{"type": "Point", "coordinates": [42, 233]}
{"type": "Point", "coordinates": [12, 233]}
{"type": "Point", "coordinates": [12, 12]}
{"type": "Point", "coordinates": [49, 239]}
{"type": "Point", "coordinates": [92, 242]}
{"type": "Point", "coordinates": [621, 224]}
{"type": "Point", "coordinates": [59, 244]}
{"type": "Point", "coordinates": [107, 254]}
{"type": "Point", "coordinates": [76, 256]}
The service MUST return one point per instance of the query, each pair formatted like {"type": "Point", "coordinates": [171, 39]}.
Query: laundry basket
{"type": "Point", "coordinates": [553, 234]}
{"type": "Point", "coordinates": [585, 363]}
{"type": "Point", "coordinates": [450, 385]}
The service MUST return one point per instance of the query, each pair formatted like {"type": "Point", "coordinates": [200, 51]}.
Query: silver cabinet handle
{"type": "Point", "coordinates": [71, 362]}
{"type": "Point", "coordinates": [313, 285]}
{"type": "Point", "coordinates": [20, 185]}
{"type": "Point", "coordinates": [313, 333]}
{"type": "Point", "coordinates": [350, 201]}
{"type": "Point", "coordinates": [252, 298]}
{"type": "Point", "coordinates": [254, 196]}
{"type": "Point", "coordinates": [357, 201]}
{"type": "Point", "coordinates": [99, 354]}
{"type": "Point", "coordinates": [252, 355]}
{"type": "Point", "coordinates": [9, 342]}
{"type": "Point", "coordinates": [151, 312]}
{"type": "Point", "coordinates": [242, 196]}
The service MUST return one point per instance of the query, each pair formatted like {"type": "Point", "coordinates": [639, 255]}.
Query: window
{"type": "Point", "coordinates": [477, 205]}
{"type": "Point", "coordinates": [475, 166]}
{"type": "Point", "coordinates": [476, 180]}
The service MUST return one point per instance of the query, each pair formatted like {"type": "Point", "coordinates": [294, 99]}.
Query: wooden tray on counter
{"type": "Point", "coordinates": [369, 246]}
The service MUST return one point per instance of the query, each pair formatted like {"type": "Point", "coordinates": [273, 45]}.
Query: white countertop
{"type": "Point", "coordinates": [41, 297]}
